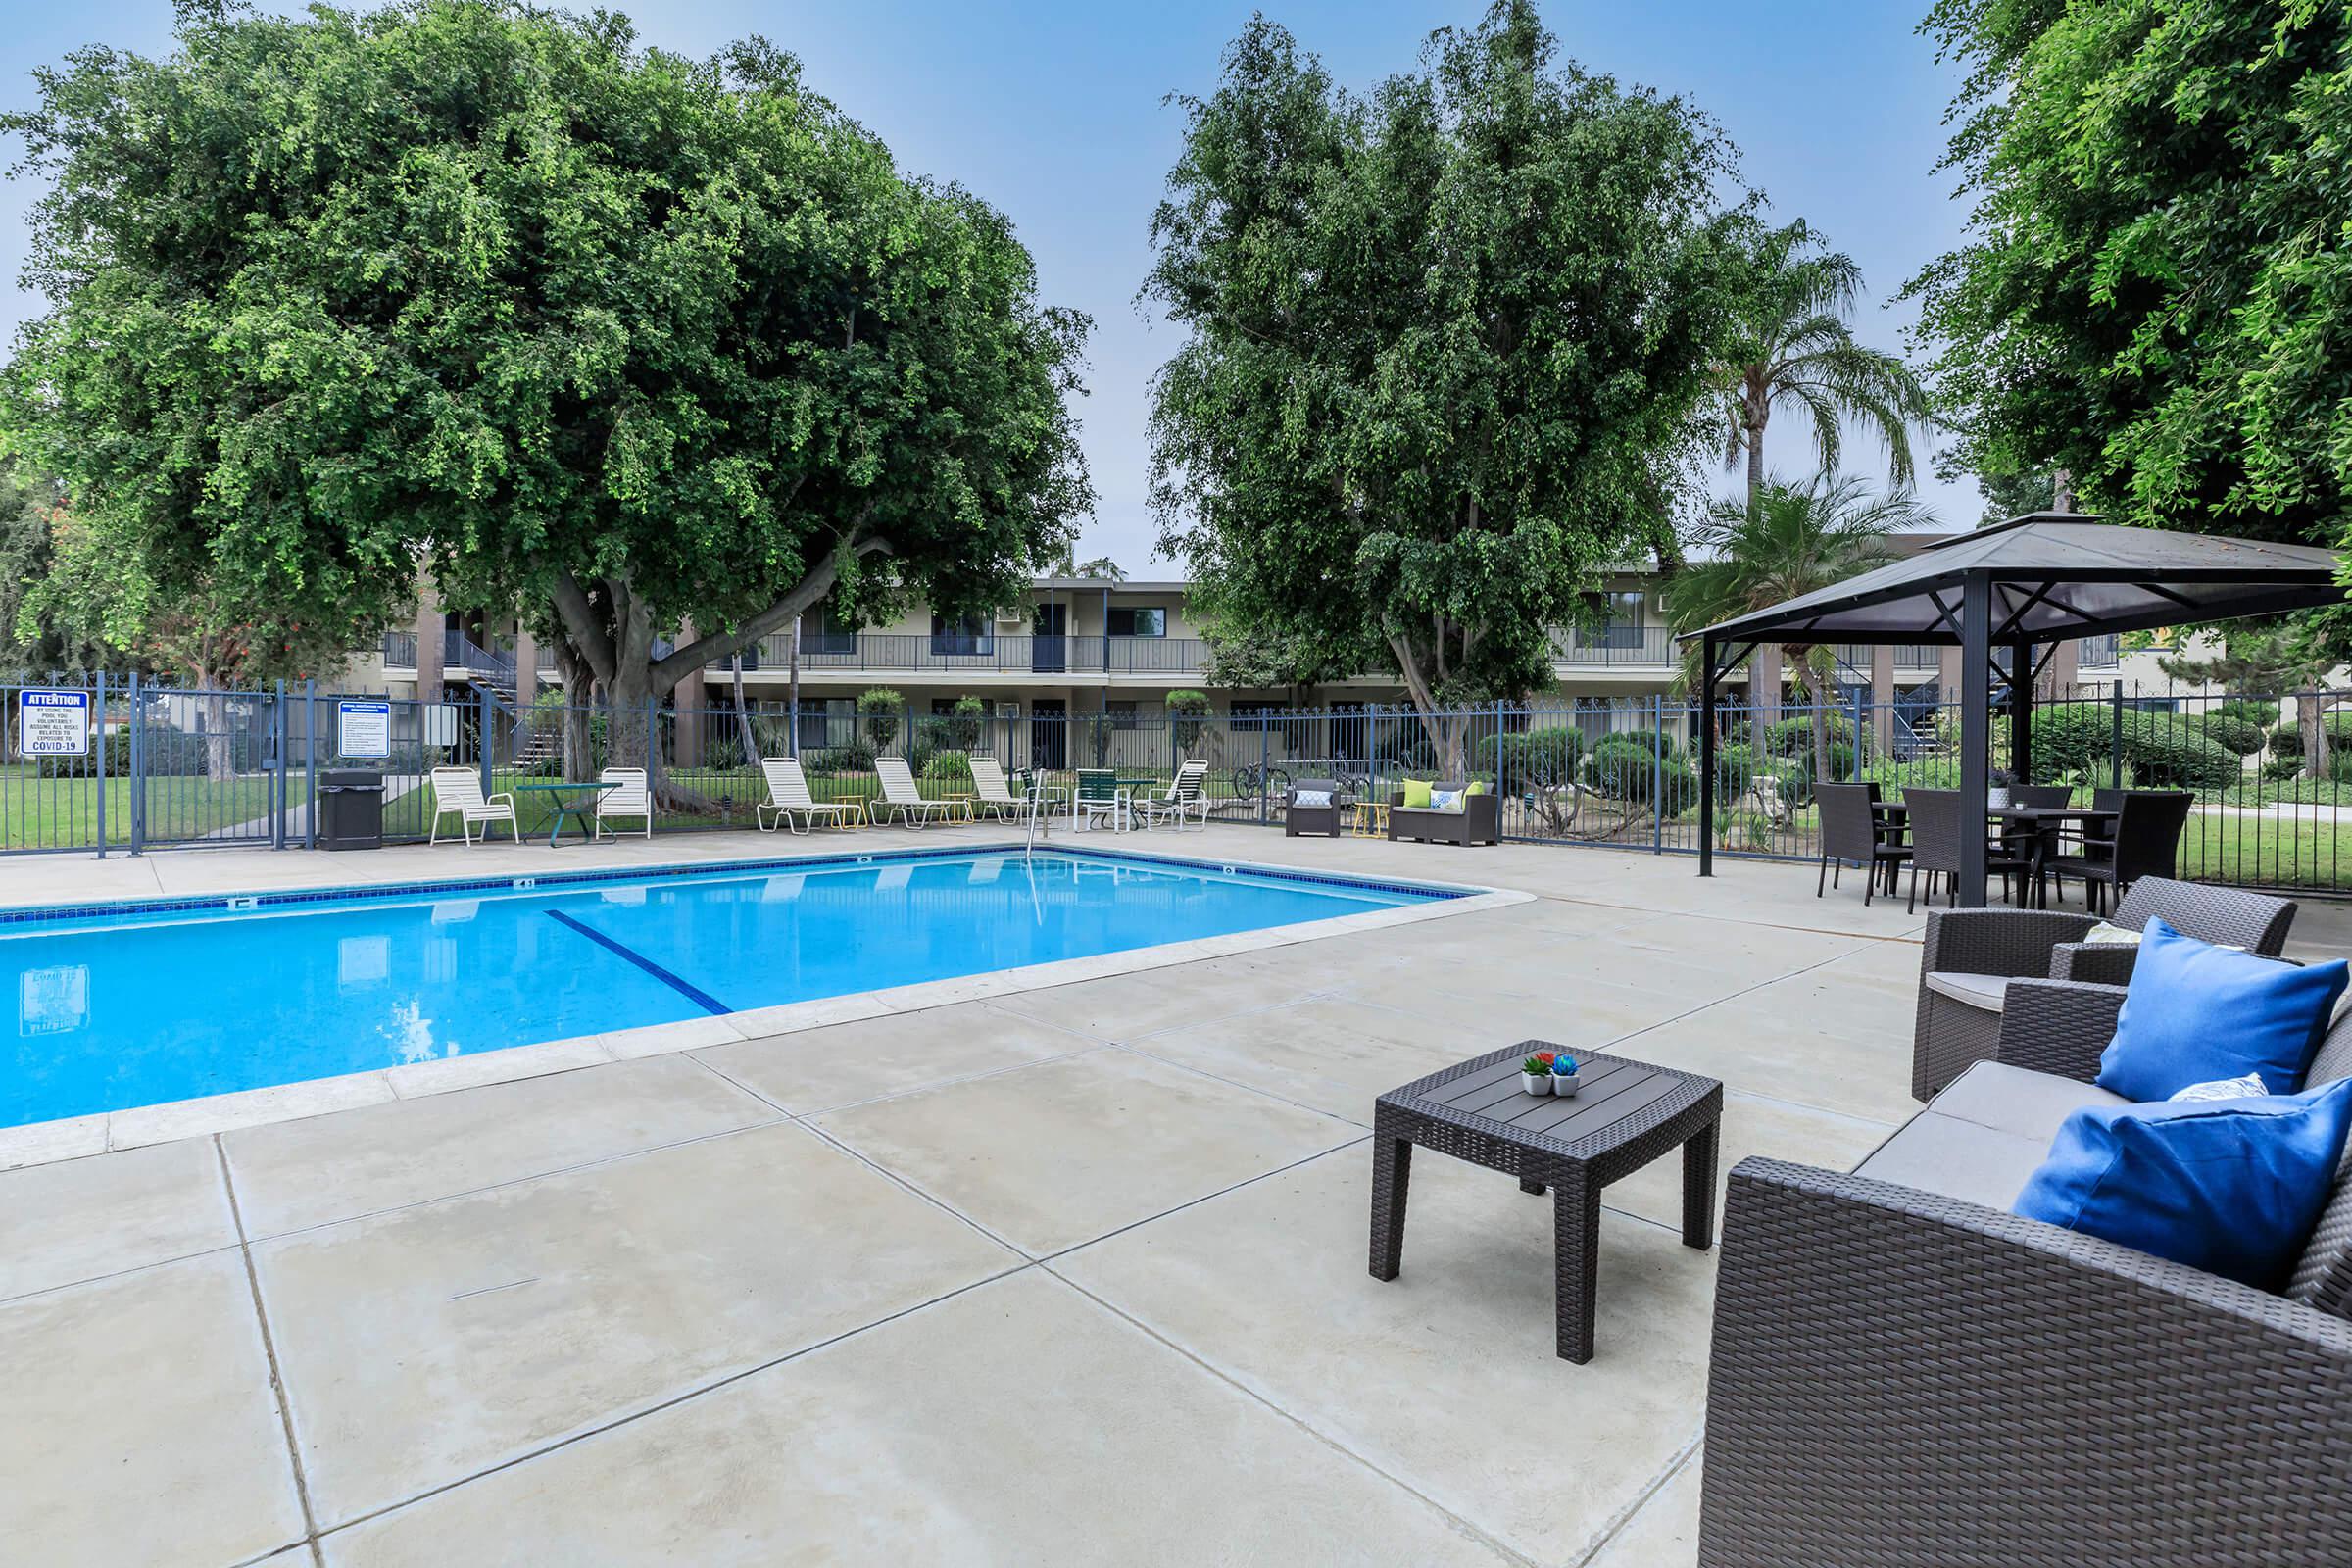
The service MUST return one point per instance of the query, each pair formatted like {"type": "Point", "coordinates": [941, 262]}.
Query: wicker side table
{"type": "Point", "coordinates": [1625, 1115]}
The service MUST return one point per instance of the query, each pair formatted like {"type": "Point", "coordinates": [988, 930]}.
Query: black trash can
{"type": "Point", "coordinates": [351, 809]}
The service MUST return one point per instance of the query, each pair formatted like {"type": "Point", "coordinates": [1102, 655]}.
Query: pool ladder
{"type": "Point", "coordinates": [1037, 796]}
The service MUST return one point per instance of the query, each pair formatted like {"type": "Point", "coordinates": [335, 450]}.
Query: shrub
{"type": "Point", "coordinates": [879, 708]}
{"type": "Point", "coordinates": [1189, 713]}
{"type": "Point", "coordinates": [2263, 716]}
{"type": "Point", "coordinates": [1792, 737]}
{"type": "Point", "coordinates": [965, 725]}
{"type": "Point", "coordinates": [2286, 741]}
{"type": "Point", "coordinates": [2282, 767]}
{"type": "Point", "coordinates": [949, 770]}
{"type": "Point", "coordinates": [1635, 764]}
{"type": "Point", "coordinates": [724, 754]}
{"type": "Point", "coordinates": [2160, 749]}
{"type": "Point", "coordinates": [855, 757]}
{"type": "Point", "coordinates": [1536, 758]}
{"type": "Point", "coordinates": [2242, 736]}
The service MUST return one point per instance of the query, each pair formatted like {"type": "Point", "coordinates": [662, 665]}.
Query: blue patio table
{"type": "Point", "coordinates": [574, 801]}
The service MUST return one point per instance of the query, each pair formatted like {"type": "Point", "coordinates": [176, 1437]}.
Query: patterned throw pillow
{"type": "Point", "coordinates": [1310, 799]}
{"type": "Point", "coordinates": [1445, 800]}
{"type": "Point", "coordinates": [2251, 1087]}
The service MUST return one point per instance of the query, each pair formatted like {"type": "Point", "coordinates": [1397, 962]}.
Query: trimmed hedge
{"type": "Point", "coordinates": [2240, 735]}
{"type": "Point", "coordinates": [1536, 758]}
{"type": "Point", "coordinates": [2163, 750]}
{"type": "Point", "coordinates": [1635, 764]}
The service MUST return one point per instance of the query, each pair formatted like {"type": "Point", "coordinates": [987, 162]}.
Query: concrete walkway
{"type": "Point", "coordinates": [1070, 1276]}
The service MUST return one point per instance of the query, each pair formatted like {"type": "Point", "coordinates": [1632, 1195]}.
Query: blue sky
{"type": "Point", "coordinates": [1053, 112]}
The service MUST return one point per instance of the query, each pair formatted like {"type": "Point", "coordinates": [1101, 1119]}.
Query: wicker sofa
{"type": "Point", "coordinates": [1905, 1373]}
{"type": "Point", "coordinates": [1478, 822]}
{"type": "Point", "coordinates": [1972, 957]}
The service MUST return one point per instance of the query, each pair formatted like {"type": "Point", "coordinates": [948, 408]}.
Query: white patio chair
{"type": "Point", "coordinates": [992, 794]}
{"type": "Point", "coordinates": [630, 797]}
{"type": "Point", "coordinates": [1184, 797]}
{"type": "Point", "coordinates": [904, 802]}
{"type": "Point", "coordinates": [788, 797]}
{"type": "Point", "coordinates": [457, 792]}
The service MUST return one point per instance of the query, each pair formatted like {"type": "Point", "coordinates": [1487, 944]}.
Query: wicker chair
{"type": "Point", "coordinates": [1972, 955]}
{"type": "Point", "coordinates": [1326, 818]}
{"type": "Point", "coordinates": [2146, 843]}
{"type": "Point", "coordinates": [1937, 821]}
{"type": "Point", "coordinates": [1903, 1373]}
{"type": "Point", "coordinates": [1850, 834]}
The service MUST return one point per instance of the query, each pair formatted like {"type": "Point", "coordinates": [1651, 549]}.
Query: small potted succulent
{"type": "Point", "coordinates": [1564, 1075]}
{"type": "Point", "coordinates": [1535, 1074]}
{"type": "Point", "coordinates": [1996, 789]}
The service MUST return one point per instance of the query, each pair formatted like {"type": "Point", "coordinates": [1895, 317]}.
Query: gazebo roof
{"type": "Point", "coordinates": [2054, 576]}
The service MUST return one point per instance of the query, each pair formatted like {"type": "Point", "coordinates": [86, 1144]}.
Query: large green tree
{"type": "Point", "coordinates": [639, 342]}
{"type": "Point", "coordinates": [1792, 348]}
{"type": "Point", "coordinates": [1444, 344]}
{"type": "Point", "coordinates": [2156, 292]}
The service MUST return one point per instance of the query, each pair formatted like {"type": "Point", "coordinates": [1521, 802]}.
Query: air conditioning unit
{"type": "Point", "coordinates": [1015, 617]}
{"type": "Point", "coordinates": [1009, 709]}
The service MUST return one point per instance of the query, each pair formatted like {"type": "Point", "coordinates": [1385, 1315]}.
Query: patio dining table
{"type": "Point", "coordinates": [2044, 820]}
{"type": "Point", "coordinates": [574, 801]}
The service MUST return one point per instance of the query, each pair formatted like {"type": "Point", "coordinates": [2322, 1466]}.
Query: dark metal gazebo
{"type": "Point", "coordinates": [2022, 586]}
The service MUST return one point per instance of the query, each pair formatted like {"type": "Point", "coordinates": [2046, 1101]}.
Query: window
{"type": "Point", "coordinates": [1124, 715]}
{"type": "Point", "coordinates": [1138, 620]}
{"type": "Point", "coordinates": [824, 631]}
{"type": "Point", "coordinates": [961, 634]}
{"type": "Point", "coordinates": [1620, 611]}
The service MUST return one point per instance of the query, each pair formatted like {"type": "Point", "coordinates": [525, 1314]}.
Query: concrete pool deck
{"type": "Point", "coordinates": [923, 1285]}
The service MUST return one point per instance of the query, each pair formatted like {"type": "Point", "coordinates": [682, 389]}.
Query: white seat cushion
{"type": "Point", "coordinates": [1956, 1158]}
{"type": "Point", "coordinates": [2018, 1100]}
{"type": "Point", "coordinates": [1986, 991]}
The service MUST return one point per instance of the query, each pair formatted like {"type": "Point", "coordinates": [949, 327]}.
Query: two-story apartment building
{"type": "Point", "coordinates": [1085, 646]}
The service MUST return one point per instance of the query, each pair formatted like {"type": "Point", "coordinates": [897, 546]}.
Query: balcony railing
{"type": "Point", "coordinates": [2100, 653]}
{"type": "Point", "coordinates": [1021, 655]}
{"type": "Point", "coordinates": [1856, 657]}
{"type": "Point", "coordinates": [1615, 645]}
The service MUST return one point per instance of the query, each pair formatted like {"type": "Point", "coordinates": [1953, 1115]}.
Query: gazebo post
{"type": "Point", "coordinates": [1976, 732]}
{"type": "Point", "coordinates": [2021, 712]}
{"type": "Point", "coordinates": [1706, 756]}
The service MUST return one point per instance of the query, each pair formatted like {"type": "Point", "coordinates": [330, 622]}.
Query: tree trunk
{"type": "Point", "coordinates": [1755, 462]}
{"type": "Point", "coordinates": [2309, 708]}
{"type": "Point", "coordinates": [1806, 668]}
{"type": "Point", "coordinates": [743, 716]}
{"type": "Point", "coordinates": [579, 689]}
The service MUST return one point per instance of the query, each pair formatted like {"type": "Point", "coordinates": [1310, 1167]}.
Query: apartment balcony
{"type": "Point", "coordinates": [953, 652]}
{"type": "Point", "coordinates": [2100, 653]}
{"type": "Point", "coordinates": [1615, 647]}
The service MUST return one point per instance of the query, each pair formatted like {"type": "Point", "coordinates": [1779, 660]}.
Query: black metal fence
{"type": "Point", "coordinates": [163, 767]}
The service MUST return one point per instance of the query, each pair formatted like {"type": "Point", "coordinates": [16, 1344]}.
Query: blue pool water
{"type": "Point", "coordinates": [117, 1008]}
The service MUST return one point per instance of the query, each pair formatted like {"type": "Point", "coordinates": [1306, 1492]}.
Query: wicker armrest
{"type": "Point", "coordinates": [2106, 963]}
{"type": "Point", "coordinates": [2058, 1026]}
{"type": "Point", "coordinates": [1901, 1378]}
{"type": "Point", "coordinates": [2011, 942]}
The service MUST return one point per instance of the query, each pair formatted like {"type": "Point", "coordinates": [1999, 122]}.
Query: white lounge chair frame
{"type": "Point", "coordinates": [459, 791]}
{"type": "Point", "coordinates": [632, 797]}
{"type": "Point", "coordinates": [1184, 797]}
{"type": "Point", "coordinates": [992, 794]}
{"type": "Point", "coordinates": [905, 802]}
{"type": "Point", "coordinates": [788, 797]}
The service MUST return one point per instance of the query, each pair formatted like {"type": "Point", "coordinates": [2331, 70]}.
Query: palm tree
{"type": "Point", "coordinates": [1792, 539]}
{"type": "Point", "coordinates": [1792, 345]}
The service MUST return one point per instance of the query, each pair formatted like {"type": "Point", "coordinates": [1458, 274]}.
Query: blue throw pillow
{"type": "Point", "coordinates": [2195, 1013]}
{"type": "Point", "coordinates": [2232, 1187]}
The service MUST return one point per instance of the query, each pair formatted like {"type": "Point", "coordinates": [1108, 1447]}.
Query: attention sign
{"type": "Point", "coordinates": [52, 723]}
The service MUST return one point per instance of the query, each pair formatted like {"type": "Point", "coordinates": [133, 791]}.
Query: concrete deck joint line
{"type": "Point", "coordinates": [1632, 1510]}
{"type": "Point", "coordinates": [277, 1381]}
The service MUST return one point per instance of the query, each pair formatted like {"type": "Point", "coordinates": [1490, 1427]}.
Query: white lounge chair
{"type": "Point", "coordinates": [991, 792]}
{"type": "Point", "coordinates": [905, 803]}
{"type": "Point", "coordinates": [788, 797]}
{"type": "Point", "coordinates": [630, 797]}
{"type": "Point", "coordinates": [1184, 798]}
{"type": "Point", "coordinates": [457, 792]}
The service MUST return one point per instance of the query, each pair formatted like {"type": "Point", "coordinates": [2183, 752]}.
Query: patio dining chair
{"type": "Point", "coordinates": [1851, 833]}
{"type": "Point", "coordinates": [457, 793]}
{"type": "Point", "coordinates": [1097, 798]}
{"type": "Point", "coordinates": [1938, 819]}
{"type": "Point", "coordinates": [631, 796]}
{"type": "Point", "coordinates": [2145, 842]}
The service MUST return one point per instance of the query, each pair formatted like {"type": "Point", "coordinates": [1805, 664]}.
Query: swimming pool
{"type": "Point", "coordinates": [136, 1005]}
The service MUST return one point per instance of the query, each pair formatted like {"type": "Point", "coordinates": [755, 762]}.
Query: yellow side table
{"type": "Point", "coordinates": [1371, 819]}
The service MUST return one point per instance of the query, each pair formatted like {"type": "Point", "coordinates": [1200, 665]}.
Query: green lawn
{"type": "Point", "coordinates": [48, 813]}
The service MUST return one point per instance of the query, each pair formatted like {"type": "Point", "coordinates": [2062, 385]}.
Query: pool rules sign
{"type": "Point", "coordinates": [363, 729]}
{"type": "Point", "coordinates": [52, 723]}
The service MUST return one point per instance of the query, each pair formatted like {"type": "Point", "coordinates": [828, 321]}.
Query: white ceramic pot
{"type": "Point", "coordinates": [1996, 800]}
{"type": "Point", "coordinates": [1565, 1083]}
{"type": "Point", "coordinates": [1535, 1082]}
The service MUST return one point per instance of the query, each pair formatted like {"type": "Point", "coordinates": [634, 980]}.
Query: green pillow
{"type": "Point", "coordinates": [1417, 795]}
{"type": "Point", "coordinates": [1478, 786]}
